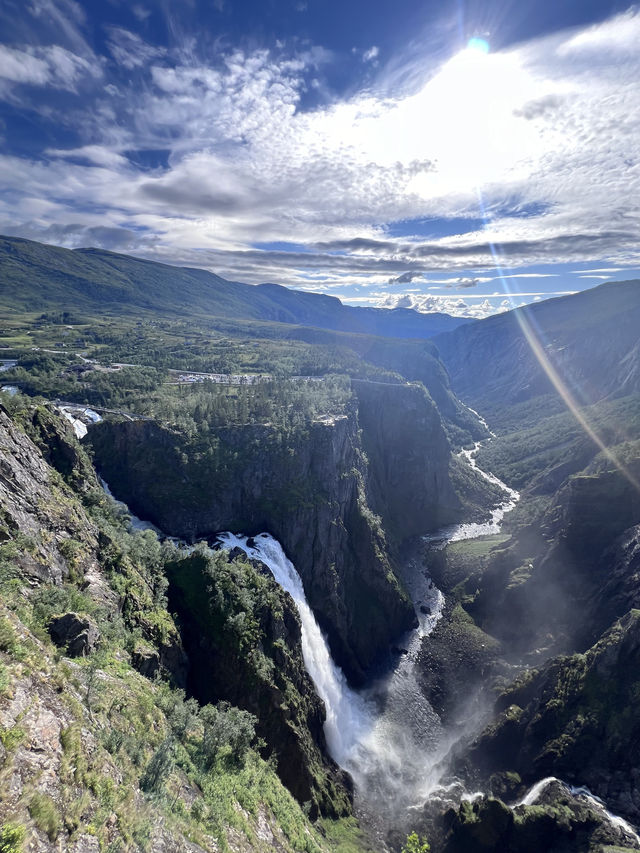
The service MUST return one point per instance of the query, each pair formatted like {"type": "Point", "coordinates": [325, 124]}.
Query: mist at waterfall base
{"type": "Point", "coordinates": [387, 736]}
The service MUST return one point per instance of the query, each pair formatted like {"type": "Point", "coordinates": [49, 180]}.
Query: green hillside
{"type": "Point", "coordinates": [38, 277]}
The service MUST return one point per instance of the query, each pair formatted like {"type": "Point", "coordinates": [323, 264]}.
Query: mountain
{"type": "Point", "coordinates": [589, 340]}
{"type": "Point", "coordinates": [38, 277]}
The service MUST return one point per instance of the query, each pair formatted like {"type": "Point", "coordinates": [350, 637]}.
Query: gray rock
{"type": "Point", "coordinates": [146, 661]}
{"type": "Point", "coordinates": [77, 633]}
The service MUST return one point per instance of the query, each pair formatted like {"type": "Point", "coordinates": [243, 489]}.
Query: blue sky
{"type": "Point", "coordinates": [458, 156]}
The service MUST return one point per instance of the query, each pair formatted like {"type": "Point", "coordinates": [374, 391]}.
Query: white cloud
{"type": "Point", "coordinates": [456, 307]}
{"type": "Point", "coordinates": [536, 128]}
{"type": "Point", "coordinates": [97, 155]}
{"type": "Point", "coordinates": [372, 54]}
{"type": "Point", "coordinates": [129, 50]}
{"type": "Point", "coordinates": [140, 11]}
{"type": "Point", "coordinates": [618, 36]}
{"type": "Point", "coordinates": [45, 66]}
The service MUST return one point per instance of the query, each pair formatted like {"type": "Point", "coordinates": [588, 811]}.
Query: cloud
{"type": "Point", "coordinates": [604, 269]}
{"type": "Point", "coordinates": [405, 278]}
{"type": "Point", "coordinates": [45, 66]}
{"type": "Point", "coordinates": [456, 307]}
{"type": "Point", "coordinates": [618, 36]}
{"type": "Point", "coordinates": [129, 50]}
{"type": "Point", "coordinates": [141, 12]}
{"type": "Point", "coordinates": [543, 107]}
{"type": "Point", "coordinates": [97, 155]}
{"type": "Point", "coordinates": [541, 127]}
{"type": "Point", "coordinates": [464, 283]}
{"type": "Point", "coordinates": [372, 54]}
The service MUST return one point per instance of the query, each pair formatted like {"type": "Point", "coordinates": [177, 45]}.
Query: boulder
{"type": "Point", "coordinates": [78, 633]}
{"type": "Point", "coordinates": [146, 660]}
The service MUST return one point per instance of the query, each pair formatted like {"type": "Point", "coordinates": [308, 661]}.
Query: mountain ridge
{"type": "Point", "coordinates": [41, 277]}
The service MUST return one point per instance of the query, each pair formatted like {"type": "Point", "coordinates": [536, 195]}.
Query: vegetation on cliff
{"type": "Point", "coordinates": [100, 754]}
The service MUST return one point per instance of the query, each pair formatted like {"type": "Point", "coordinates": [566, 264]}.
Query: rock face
{"type": "Point", "coordinates": [566, 579]}
{"type": "Point", "coordinates": [31, 499]}
{"type": "Point", "coordinates": [406, 447]}
{"type": "Point", "coordinates": [314, 491]}
{"type": "Point", "coordinates": [78, 634]}
{"type": "Point", "coordinates": [574, 718]}
{"type": "Point", "coordinates": [559, 822]}
{"type": "Point", "coordinates": [243, 636]}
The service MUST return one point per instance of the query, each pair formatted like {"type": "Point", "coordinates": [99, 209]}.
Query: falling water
{"type": "Point", "coordinates": [384, 735]}
{"type": "Point", "coordinates": [387, 736]}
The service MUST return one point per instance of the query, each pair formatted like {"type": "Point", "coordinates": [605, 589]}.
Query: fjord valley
{"type": "Point", "coordinates": [278, 574]}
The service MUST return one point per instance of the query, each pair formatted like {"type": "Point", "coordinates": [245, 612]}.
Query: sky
{"type": "Point", "coordinates": [464, 156]}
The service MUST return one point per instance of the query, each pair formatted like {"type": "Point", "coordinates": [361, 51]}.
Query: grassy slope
{"type": "Point", "coordinates": [37, 277]}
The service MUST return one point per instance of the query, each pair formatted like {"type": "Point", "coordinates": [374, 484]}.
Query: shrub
{"type": "Point", "coordinates": [11, 837]}
{"type": "Point", "coordinates": [158, 769]}
{"type": "Point", "coordinates": [226, 727]}
{"type": "Point", "coordinates": [8, 640]}
{"type": "Point", "coordinates": [414, 844]}
{"type": "Point", "coordinates": [45, 815]}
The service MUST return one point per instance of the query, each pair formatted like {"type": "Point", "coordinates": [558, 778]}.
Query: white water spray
{"type": "Point", "coordinates": [348, 718]}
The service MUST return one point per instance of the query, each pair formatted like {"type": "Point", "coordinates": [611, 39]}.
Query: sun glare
{"type": "Point", "coordinates": [478, 45]}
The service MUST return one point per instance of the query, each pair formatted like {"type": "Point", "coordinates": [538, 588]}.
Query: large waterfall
{"type": "Point", "coordinates": [388, 737]}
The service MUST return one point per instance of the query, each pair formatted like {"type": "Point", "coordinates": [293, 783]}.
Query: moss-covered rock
{"type": "Point", "coordinates": [310, 486]}
{"type": "Point", "coordinates": [558, 822]}
{"type": "Point", "coordinates": [576, 718]}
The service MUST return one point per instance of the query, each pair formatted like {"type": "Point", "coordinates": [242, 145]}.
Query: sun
{"type": "Point", "coordinates": [478, 45]}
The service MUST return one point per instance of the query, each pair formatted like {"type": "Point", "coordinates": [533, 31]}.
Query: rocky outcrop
{"type": "Point", "coordinates": [546, 588]}
{"type": "Point", "coordinates": [313, 489]}
{"type": "Point", "coordinates": [243, 636]}
{"type": "Point", "coordinates": [59, 538]}
{"type": "Point", "coordinates": [408, 457]}
{"type": "Point", "coordinates": [574, 718]}
{"type": "Point", "coordinates": [559, 821]}
{"type": "Point", "coordinates": [76, 633]}
{"type": "Point", "coordinates": [78, 736]}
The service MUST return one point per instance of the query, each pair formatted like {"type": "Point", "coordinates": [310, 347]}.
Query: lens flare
{"type": "Point", "coordinates": [534, 339]}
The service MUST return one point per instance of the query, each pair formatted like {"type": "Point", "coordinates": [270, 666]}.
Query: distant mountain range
{"type": "Point", "coordinates": [35, 277]}
{"type": "Point", "coordinates": [587, 343]}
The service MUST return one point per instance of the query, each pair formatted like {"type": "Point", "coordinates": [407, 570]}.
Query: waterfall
{"type": "Point", "coordinates": [348, 716]}
{"type": "Point", "coordinates": [387, 736]}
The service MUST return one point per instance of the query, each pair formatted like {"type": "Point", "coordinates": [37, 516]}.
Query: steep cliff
{"type": "Point", "coordinates": [243, 636]}
{"type": "Point", "coordinates": [34, 504]}
{"type": "Point", "coordinates": [314, 488]}
{"type": "Point", "coordinates": [408, 454]}
{"type": "Point", "coordinates": [96, 755]}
